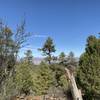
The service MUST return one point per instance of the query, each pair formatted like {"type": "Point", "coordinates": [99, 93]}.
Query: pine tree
{"type": "Point", "coordinates": [23, 78]}
{"type": "Point", "coordinates": [62, 58]}
{"type": "Point", "coordinates": [71, 60]}
{"type": "Point", "coordinates": [43, 80]}
{"type": "Point", "coordinates": [88, 76]}
{"type": "Point", "coordinates": [47, 49]}
{"type": "Point", "coordinates": [29, 56]}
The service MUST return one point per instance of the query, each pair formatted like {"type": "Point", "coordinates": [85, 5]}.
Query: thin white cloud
{"type": "Point", "coordinates": [29, 47]}
{"type": "Point", "coordinates": [39, 36]}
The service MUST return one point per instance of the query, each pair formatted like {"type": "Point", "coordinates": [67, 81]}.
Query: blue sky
{"type": "Point", "coordinates": [68, 22]}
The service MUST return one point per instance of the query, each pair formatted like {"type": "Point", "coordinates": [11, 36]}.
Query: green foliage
{"type": "Point", "coordinates": [68, 60]}
{"type": "Point", "coordinates": [63, 82]}
{"type": "Point", "coordinates": [7, 58]}
{"type": "Point", "coordinates": [23, 78]}
{"type": "Point", "coordinates": [48, 78]}
{"type": "Point", "coordinates": [18, 77]}
{"type": "Point", "coordinates": [43, 80]}
{"type": "Point", "coordinates": [29, 56]}
{"type": "Point", "coordinates": [71, 60]}
{"type": "Point", "coordinates": [62, 58]}
{"type": "Point", "coordinates": [8, 89]}
{"type": "Point", "coordinates": [58, 71]}
{"type": "Point", "coordinates": [10, 43]}
{"type": "Point", "coordinates": [88, 76]}
{"type": "Point", "coordinates": [47, 49]}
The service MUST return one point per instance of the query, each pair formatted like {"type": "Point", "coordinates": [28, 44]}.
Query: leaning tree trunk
{"type": "Point", "coordinates": [76, 93]}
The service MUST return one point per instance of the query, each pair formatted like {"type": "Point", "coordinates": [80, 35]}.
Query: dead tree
{"type": "Point", "coordinates": [76, 93]}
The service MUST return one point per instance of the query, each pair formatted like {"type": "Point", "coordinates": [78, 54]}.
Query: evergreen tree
{"type": "Point", "coordinates": [23, 78]}
{"type": "Point", "coordinates": [62, 58]}
{"type": "Point", "coordinates": [47, 49]}
{"type": "Point", "coordinates": [43, 80]}
{"type": "Point", "coordinates": [29, 56]}
{"type": "Point", "coordinates": [71, 60]}
{"type": "Point", "coordinates": [88, 76]}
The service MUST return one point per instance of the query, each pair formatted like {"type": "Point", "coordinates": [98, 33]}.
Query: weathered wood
{"type": "Point", "coordinates": [76, 93]}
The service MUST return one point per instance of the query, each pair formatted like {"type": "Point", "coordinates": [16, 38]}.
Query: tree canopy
{"type": "Point", "coordinates": [48, 48]}
{"type": "Point", "coordinates": [88, 76]}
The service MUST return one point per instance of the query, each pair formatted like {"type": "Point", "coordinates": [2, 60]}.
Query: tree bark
{"type": "Point", "coordinates": [76, 93]}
